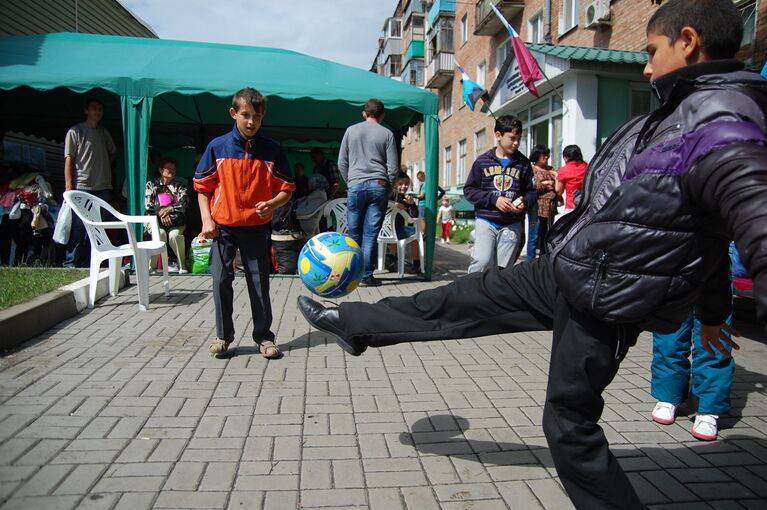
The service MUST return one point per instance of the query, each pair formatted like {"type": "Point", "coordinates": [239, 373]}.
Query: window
{"type": "Point", "coordinates": [395, 28]}
{"type": "Point", "coordinates": [447, 104]}
{"type": "Point", "coordinates": [447, 169]}
{"type": "Point", "coordinates": [748, 13]}
{"type": "Point", "coordinates": [501, 53]}
{"type": "Point", "coordinates": [535, 28]}
{"type": "Point", "coordinates": [569, 15]}
{"type": "Point", "coordinates": [542, 123]}
{"type": "Point", "coordinates": [479, 143]}
{"type": "Point", "coordinates": [481, 74]}
{"type": "Point", "coordinates": [639, 102]}
{"type": "Point", "coordinates": [464, 29]}
{"type": "Point", "coordinates": [460, 179]}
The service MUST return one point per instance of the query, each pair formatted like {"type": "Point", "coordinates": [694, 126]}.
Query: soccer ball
{"type": "Point", "coordinates": [330, 264]}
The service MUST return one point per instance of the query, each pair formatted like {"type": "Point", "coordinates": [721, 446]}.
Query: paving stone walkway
{"type": "Point", "coordinates": [116, 409]}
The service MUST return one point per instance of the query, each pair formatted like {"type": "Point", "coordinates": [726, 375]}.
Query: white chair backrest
{"type": "Point", "coordinates": [335, 214]}
{"type": "Point", "coordinates": [388, 231]}
{"type": "Point", "coordinates": [89, 209]}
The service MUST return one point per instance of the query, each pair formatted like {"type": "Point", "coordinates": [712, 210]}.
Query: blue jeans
{"type": "Point", "coordinates": [533, 228]}
{"type": "Point", "coordinates": [366, 209]}
{"type": "Point", "coordinates": [671, 368]}
{"type": "Point", "coordinates": [78, 247]}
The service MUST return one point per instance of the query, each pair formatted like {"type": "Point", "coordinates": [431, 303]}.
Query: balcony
{"type": "Point", "coordinates": [488, 22]}
{"type": "Point", "coordinates": [413, 7]}
{"type": "Point", "coordinates": [414, 50]}
{"type": "Point", "coordinates": [391, 47]}
{"type": "Point", "coordinates": [440, 70]}
{"type": "Point", "coordinates": [439, 8]}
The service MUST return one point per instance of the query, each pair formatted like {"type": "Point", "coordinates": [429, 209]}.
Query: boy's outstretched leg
{"type": "Point", "coordinates": [585, 357]}
{"type": "Point", "coordinates": [520, 298]}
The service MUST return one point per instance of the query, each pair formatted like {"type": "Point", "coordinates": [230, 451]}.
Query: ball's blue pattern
{"type": "Point", "coordinates": [330, 264]}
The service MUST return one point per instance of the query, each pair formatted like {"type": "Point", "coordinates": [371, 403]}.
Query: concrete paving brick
{"type": "Point", "coordinates": [417, 498]}
{"type": "Point", "coordinates": [126, 428]}
{"type": "Point", "coordinates": [42, 452]}
{"type": "Point", "coordinates": [241, 500]}
{"type": "Point", "coordinates": [47, 502]}
{"type": "Point", "coordinates": [719, 490]}
{"type": "Point", "coordinates": [466, 492]}
{"type": "Point", "coordinates": [339, 452]}
{"type": "Point", "coordinates": [385, 499]}
{"type": "Point", "coordinates": [81, 479]}
{"type": "Point", "coordinates": [273, 482]}
{"type": "Point", "coordinates": [279, 500]}
{"type": "Point", "coordinates": [130, 484]}
{"type": "Point", "coordinates": [348, 474]}
{"type": "Point", "coordinates": [669, 486]}
{"type": "Point", "coordinates": [168, 450]}
{"type": "Point", "coordinates": [316, 474]}
{"type": "Point", "coordinates": [139, 469]}
{"type": "Point", "coordinates": [332, 497]}
{"type": "Point", "coordinates": [190, 499]}
{"type": "Point", "coordinates": [286, 467]}
{"type": "Point", "coordinates": [287, 448]}
{"type": "Point", "coordinates": [98, 502]}
{"type": "Point", "coordinates": [550, 494]}
{"type": "Point", "coordinates": [518, 495]}
{"type": "Point", "coordinates": [44, 481]}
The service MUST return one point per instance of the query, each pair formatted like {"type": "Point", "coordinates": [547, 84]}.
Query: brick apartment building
{"type": "Point", "coordinates": [591, 51]}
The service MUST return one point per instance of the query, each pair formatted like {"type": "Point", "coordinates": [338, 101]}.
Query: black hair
{"type": "Point", "coordinates": [508, 124]}
{"type": "Point", "coordinates": [718, 22]}
{"type": "Point", "coordinates": [374, 108]}
{"type": "Point", "coordinates": [572, 153]}
{"type": "Point", "coordinates": [166, 160]}
{"type": "Point", "coordinates": [251, 96]}
{"type": "Point", "coordinates": [91, 100]}
{"type": "Point", "coordinates": [402, 175]}
{"type": "Point", "coordinates": [538, 151]}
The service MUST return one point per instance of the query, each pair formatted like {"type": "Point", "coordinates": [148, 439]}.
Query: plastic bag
{"type": "Point", "coordinates": [199, 255]}
{"type": "Point", "coordinates": [63, 225]}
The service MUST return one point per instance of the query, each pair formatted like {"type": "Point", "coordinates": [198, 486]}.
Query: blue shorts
{"type": "Point", "coordinates": [404, 232]}
{"type": "Point", "coordinates": [421, 211]}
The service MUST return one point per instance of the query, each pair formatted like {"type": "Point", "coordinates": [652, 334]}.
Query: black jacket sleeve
{"type": "Point", "coordinates": [731, 183]}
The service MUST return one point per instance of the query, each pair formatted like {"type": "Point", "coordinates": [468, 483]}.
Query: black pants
{"type": "Point", "coordinates": [585, 357]}
{"type": "Point", "coordinates": [253, 243]}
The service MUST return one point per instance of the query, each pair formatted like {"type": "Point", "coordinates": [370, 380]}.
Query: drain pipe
{"type": "Point", "coordinates": [547, 24]}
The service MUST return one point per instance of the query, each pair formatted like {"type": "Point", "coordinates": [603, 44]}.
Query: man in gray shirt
{"type": "Point", "coordinates": [88, 154]}
{"type": "Point", "coordinates": [367, 161]}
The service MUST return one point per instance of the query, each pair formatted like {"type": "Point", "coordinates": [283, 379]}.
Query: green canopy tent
{"type": "Point", "coordinates": [184, 88]}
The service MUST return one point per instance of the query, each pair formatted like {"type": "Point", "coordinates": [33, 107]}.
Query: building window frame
{"type": "Point", "coordinates": [553, 116]}
{"type": "Point", "coordinates": [569, 15]}
{"type": "Point", "coordinates": [480, 142]}
{"type": "Point", "coordinates": [535, 28]}
{"type": "Point", "coordinates": [482, 73]}
{"type": "Point", "coordinates": [447, 165]}
{"type": "Point", "coordinates": [447, 104]}
{"type": "Point", "coordinates": [460, 177]}
{"type": "Point", "coordinates": [464, 29]}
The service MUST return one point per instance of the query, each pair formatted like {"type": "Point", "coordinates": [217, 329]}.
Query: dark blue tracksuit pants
{"type": "Point", "coordinates": [253, 243]}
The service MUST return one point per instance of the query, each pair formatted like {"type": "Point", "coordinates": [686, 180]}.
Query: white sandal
{"type": "Point", "coordinates": [219, 347]}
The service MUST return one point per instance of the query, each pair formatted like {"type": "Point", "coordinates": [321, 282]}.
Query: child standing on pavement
{"type": "Point", "coordinates": [499, 186]}
{"type": "Point", "coordinates": [445, 218]}
{"type": "Point", "coordinates": [241, 179]}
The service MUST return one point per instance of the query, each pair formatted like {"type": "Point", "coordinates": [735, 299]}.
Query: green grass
{"type": "Point", "coordinates": [460, 234]}
{"type": "Point", "coordinates": [20, 284]}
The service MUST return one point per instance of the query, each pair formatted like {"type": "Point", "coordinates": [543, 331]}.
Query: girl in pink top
{"type": "Point", "coordinates": [570, 176]}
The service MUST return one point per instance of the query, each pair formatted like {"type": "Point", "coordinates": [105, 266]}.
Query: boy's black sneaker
{"type": "Point", "coordinates": [370, 282]}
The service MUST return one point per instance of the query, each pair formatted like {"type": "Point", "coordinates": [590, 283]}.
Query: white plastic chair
{"type": "Point", "coordinates": [335, 214]}
{"type": "Point", "coordinates": [89, 209]}
{"type": "Point", "coordinates": [388, 235]}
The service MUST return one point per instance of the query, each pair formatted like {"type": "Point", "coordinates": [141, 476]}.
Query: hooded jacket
{"type": "Point", "coordinates": [489, 179]}
{"type": "Point", "coordinates": [662, 198]}
{"type": "Point", "coordinates": [238, 173]}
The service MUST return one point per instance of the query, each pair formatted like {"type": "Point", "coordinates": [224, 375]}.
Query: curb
{"type": "Point", "coordinates": [25, 321]}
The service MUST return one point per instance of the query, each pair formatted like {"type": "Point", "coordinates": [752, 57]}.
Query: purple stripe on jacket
{"type": "Point", "coordinates": [676, 156]}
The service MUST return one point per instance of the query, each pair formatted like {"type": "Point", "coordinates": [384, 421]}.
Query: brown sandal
{"type": "Point", "coordinates": [269, 349]}
{"type": "Point", "coordinates": [219, 347]}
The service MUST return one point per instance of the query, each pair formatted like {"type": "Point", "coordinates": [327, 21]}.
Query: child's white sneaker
{"type": "Point", "coordinates": [705, 427]}
{"type": "Point", "coordinates": [664, 413]}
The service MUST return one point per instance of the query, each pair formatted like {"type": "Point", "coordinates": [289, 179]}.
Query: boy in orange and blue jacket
{"type": "Point", "coordinates": [241, 179]}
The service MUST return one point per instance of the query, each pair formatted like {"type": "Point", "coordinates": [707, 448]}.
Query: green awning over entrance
{"type": "Point", "coordinates": [590, 54]}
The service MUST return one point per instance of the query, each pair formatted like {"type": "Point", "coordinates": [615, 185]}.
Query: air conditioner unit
{"type": "Point", "coordinates": [598, 13]}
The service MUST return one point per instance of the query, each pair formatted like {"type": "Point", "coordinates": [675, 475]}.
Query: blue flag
{"type": "Point", "coordinates": [472, 91]}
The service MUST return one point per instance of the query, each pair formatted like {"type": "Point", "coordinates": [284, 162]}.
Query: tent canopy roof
{"type": "Point", "coordinates": [192, 82]}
